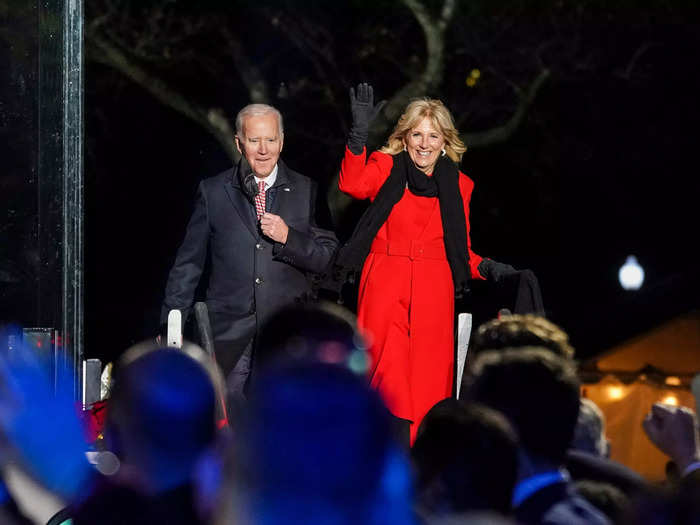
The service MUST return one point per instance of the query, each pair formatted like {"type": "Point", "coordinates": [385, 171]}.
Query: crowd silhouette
{"type": "Point", "coordinates": [314, 444]}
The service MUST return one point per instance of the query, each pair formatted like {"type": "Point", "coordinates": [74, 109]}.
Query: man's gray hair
{"type": "Point", "coordinates": [256, 110]}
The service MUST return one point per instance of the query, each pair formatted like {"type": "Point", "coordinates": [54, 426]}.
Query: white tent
{"type": "Point", "coordinates": [655, 366]}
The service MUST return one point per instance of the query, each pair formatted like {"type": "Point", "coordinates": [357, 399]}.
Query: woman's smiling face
{"type": "Point", "coordinates": [424, 145]}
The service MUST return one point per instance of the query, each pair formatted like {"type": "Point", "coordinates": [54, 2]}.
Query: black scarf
{"type": "Point", "coordinates": [445, 185]}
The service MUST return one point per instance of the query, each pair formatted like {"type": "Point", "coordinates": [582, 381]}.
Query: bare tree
{"type": "Point", "coordinates": [115, 38]}
{"type": "Point", "coordinates": [147, 43]}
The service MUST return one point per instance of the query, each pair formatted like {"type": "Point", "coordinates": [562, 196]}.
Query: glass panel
{"type": "Point", "coordinates": [41, 202]}
{"type": "Point", "coordinates": [73, 191]}
{"type": "Point", "coordinates": [20, 260]}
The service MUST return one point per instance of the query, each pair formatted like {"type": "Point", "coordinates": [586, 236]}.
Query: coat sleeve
{"type": "Point", "coordinates": [360, 180]}
{"type": "Point", "coordinates": [466, 186]}
{"type": "Point", "coordinates": [189, 261]}
{"type": "Point", "coordinates": [310, 250]}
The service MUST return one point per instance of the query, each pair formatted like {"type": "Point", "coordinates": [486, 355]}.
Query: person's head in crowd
{"type": "Point", "coordinates": [538, 392]}
{"type": "Point", "coordinates": [607, 498]}
{"type": "Point", "coordinates": [466, 459]}
{"type": "Point", "coordinates": [316, 446]}
{"type": "Point", "coordinates": [589, 434]}
{"type": "Point", "coordinates": [162, 415]}
{"type": "Point", "coordinates": [312, 332]}
{"type": "Point", "coordinates": [194, 351]}
{"type": "Point", "coordinates": [518, 330]}
{"type": "Point", "coordinates": [426, 130]}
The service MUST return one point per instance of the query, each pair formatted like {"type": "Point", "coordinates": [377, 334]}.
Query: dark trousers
{"type": "Point", "coordinates": [235, 362]}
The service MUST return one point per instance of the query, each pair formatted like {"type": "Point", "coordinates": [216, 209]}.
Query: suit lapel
{"type": "Point", "coordinates": [241, 204]}
{"type": "Point", "coordinates": [284, 192]}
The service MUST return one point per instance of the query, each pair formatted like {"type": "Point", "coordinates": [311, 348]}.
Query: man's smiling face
{"type": "Point", "coordinates": [261, 143]}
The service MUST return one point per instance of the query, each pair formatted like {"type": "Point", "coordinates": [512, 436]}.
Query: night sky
{"type": "Point", "coordinates": [603, 166]}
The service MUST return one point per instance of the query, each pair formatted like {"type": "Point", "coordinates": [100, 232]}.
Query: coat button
{"type": "Point", "coordinates": [259, 246]}
{"type": "Point", "coordinates": [258, 280]}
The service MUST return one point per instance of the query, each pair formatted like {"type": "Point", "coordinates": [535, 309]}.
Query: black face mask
{"type": "Point", "coordinates": [246, 178]}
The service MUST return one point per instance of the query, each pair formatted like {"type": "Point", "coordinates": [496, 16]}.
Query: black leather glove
{"type": "Point", "coordinates": [363, 113]}
{"type": "Point", "coordinates": [495, 271]}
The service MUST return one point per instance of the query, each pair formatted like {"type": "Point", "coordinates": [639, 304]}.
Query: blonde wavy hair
{"type": "Point", "coordinates": [441, 118]}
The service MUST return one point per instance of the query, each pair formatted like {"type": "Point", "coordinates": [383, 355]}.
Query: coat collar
{"type": "Point", "coordinates": [282, 181]}
{"type": "Point", "coordinates": [240, 202]}
{"type": "Point", "coordinates": [283, 187]}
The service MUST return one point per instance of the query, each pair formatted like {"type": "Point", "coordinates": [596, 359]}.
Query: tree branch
{"type": "Point", "coordinates": [428, 80]}
{"type": "Point", "coordinates": [251, 75]}
{"type": "Point", "coordinates": [212, 119]}
{"type": "Point", "coordinates": [626, 74]}
{"type": "Point", "coordinates": [502, 133]}
{"type": "Point", "coordinates": [304, 36]}
{"type": "Point", "coordinates": [431, 76]}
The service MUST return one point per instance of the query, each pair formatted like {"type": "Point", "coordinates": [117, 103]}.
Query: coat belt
{"type": "Point", "coordinates": [411, 249]}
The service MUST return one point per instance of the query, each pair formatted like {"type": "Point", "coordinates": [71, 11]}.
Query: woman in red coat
{"type": "Point", "coordinates": [414, 248]}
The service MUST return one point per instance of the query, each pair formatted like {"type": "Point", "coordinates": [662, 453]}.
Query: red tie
{"type": "Point", "coordinates": [260, 199]}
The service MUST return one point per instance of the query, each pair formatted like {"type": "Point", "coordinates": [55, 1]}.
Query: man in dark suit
{"type": "Point", "coordinates": [256, 222]}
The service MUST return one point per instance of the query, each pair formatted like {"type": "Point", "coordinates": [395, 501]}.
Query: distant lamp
{"type": "Point", "coordinates": [631, 274]}
{"type": "Point", "coordinates": [673, 381]}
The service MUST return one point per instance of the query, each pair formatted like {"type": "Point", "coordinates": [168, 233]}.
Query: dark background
{"type": "Point", "coordinates": [601, 166]}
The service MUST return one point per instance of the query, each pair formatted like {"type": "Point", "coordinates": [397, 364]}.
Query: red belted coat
{"type": "Point", "coordinates": [406, 294]}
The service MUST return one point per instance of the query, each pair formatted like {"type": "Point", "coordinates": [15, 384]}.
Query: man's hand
{"type": "Point", "coordinates": [674, 431]}
{"type": "Point", "coordinates": [274, 227]}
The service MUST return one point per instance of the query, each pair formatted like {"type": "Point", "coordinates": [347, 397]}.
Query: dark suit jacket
{"type": "Point", "coordinates": [586, 466]}
{"type": "Point", "coordinates": [558, 504]}
{"type": "Point", "coordinates": [251, 276]}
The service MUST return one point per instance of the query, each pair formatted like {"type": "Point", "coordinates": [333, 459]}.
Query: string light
{"type": "Point", "coordinates": [670, 400]}
{"type": "Point", "coordinates": [615, 392]}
